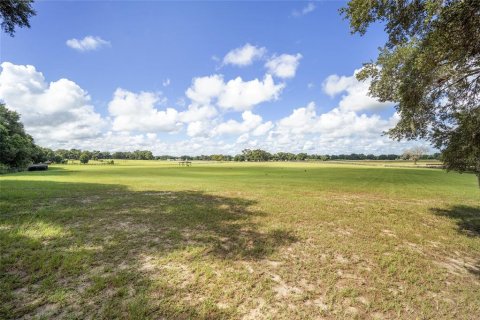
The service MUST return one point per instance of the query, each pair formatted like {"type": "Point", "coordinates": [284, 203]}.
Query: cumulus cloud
{"type": "Point", "coordinates": [243, 138]}
{"type": "Point", "coordinates": [305, 10]}
{"type": "Point", "coordinates": [51, 112]}
{"type": "Point", "coordinates": [334, 123]}
{"type": "Point", "coordinates": [204, 89]}
{"type": "Point", "coordinates": [283, 66]}
{"type": "Point", "coordinates": [355, 93]}
{"type": "Point", "coordinates": [236, 94]}
{"type": "Point", "coordinates": [197, 128]}
{"type": "Point", "coordinates": [89, 43]}
{"type": "Point", "coordinates": [137, 112]}
{"type": "Point", "coordinates": [262, 129]}
{"type": "Point", "coordinates": [244, 56]}
{"type": "Point", "coordinates": [335, 131]}
{"type": "Point", "coordinates": [300, 120]}
{"type": "Point", "coordinates": [250, 122]}
{"type": "Point", "coordinates": [244, 95]}
{"type": "Point", "coordinates": [197, 113]}
{"type": "Point", "coordinates": [200, 120]}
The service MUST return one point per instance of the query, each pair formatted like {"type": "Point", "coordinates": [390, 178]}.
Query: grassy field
{"type": "Point", "coordinates": [149, 239]}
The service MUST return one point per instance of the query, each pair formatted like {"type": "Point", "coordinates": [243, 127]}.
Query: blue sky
{"type": "Point", "coordinates": [195, 77]}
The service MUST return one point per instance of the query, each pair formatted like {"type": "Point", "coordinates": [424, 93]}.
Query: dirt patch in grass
{"type": "Point", "coordinates": [460, 265]}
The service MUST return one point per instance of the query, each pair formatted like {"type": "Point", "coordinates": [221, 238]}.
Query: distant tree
{"type": "Point", "coordinates": [84, 157]}
{"type": "Point", "coordinates": [217, 157]}
{"type": "Point", "coordinates": [415, 153]}
{"type": "Point", "coordinates": [430, 67]}
{"type": "Point", "coordinates": [15, 13]}
{"type": "Point", "coordinates": [301, 156]}
{"type": "Point", "coordinates": [239, 157]}
{"type": "Point", "coordinates": [186, 158]}
{"type": "Point", "coordinates": [62, 153]}
{"type": "Point", "coordinates": [43, 155]}
{"type": "Point", "coordinates": [118, 155]}
{"type": "Point", "coordinates": [256, 155]}
{"type": "Point", "coordinates": [147, 155]}
{"type": "Point", "coordinates": [105, 155]}
{"type": "Point", "coordinates": [17, 148]}
{"type": "Point", "coordinates": [284, 156]}
{"type": "Point", "coordinates": [58, 159]}
{"type": "Point", "coordinates": [96, 155]}
{"type": "Point", "coordinates": [74, 154]}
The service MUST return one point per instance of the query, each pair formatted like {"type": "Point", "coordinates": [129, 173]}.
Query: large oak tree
{"type": "Point", "coordinates": [429, 66]}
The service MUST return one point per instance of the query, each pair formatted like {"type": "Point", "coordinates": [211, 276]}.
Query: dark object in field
{"type": "Point", "coordinates": [185, 163]}
{"type": "Point", "coordinates": [38, 167]}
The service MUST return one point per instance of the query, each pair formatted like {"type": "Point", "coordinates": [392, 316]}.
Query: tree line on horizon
{"type": "Point", "coordinates": [256, 155]}
{"type": "Point", "coordinates": [18, 150]}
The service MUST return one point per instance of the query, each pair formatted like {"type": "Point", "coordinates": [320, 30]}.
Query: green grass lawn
{"type": "Point", "coordinates": [150, 239]}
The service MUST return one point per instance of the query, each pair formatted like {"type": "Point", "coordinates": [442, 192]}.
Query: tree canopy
{"type": "Point", "coordinates": [84, 157]}
{"type": "Point", "coordinates": [430, 67]}
{"type": "Point", "coordinates": [17, 149]}
{"type": "Point", "coordinates": [15, 13]}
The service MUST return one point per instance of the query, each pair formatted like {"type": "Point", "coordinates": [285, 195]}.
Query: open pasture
{"type": "Point", "coordinates": [152, 240]}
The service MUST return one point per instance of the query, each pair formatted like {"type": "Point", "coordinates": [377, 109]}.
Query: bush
{"type": "Point", "coordinates": [84, 158]}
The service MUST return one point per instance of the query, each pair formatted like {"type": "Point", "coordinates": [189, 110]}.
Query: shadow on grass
{"type": "Point", "coordinates": [53, 170]}
{"type": "Point", "coordinates": [466, 217]}
{"type": "Point", "coordinates": [468, 223]}
{"type": "Point", "coordinates": [103, 251]}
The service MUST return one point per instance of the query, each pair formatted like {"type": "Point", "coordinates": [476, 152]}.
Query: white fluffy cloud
{"type": "Point", "coordinates": [284, 66]}
{"type": "Point", "coordinates": [244, 56]}
{"type": "Point", "coordinates": [89, 43]}
{"type": "Point", "coordinates": [355, 97]}
{"type": "Point", "coordinates": [204, 89]}
{"type": "Point", "coordinates": [244, 95]}
{"type": "Point", "coordinates": [335, 131]}
{"type": "Point", "coordinates": [300, 120]}
{"type": "Point", "coordinates": [235, 94]}
{"type": "Point", "coordinates": [197, 128]}
{"type": "Point", "coordinates": [197, 113]}
{"type": "Point", "coordinates": [334, 123]}
{"type": "Point", "coordinates": [200, 120]}
{"type": "Point", "coordinates": [138, 112]}
{"type": "Point", "coordinates": [51, 112]}
{"type": "Point", "coordinates": [305, 10]}
{"type": "Point", "coordinates": [250, 121]}
{"type": "Point", "coordinates": [262, 129]}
